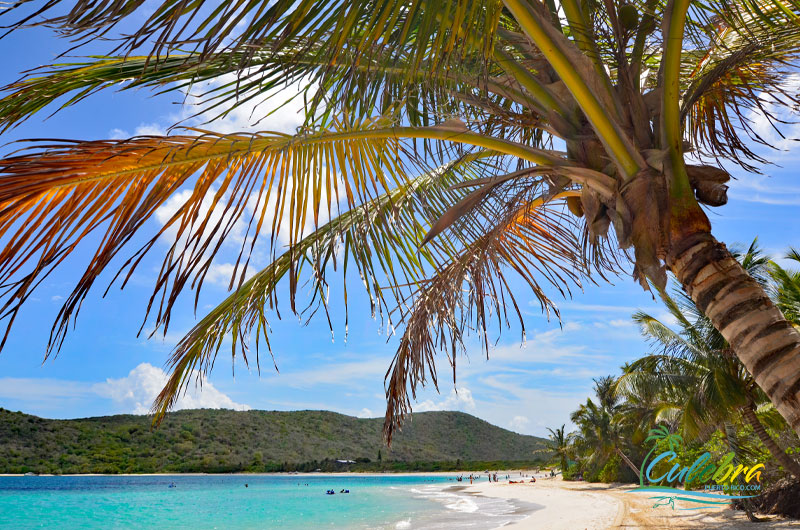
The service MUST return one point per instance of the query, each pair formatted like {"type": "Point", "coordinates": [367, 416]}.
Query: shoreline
{"type": "Point", "coordinates": [549, 503]}
{"type": "Point", "coordinates": [273, 474]}
{"type": "Point", "coordinates": [595, 506]}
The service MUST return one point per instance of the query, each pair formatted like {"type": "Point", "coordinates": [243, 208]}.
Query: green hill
{"type": "Point", "coordinates": [258, 441]}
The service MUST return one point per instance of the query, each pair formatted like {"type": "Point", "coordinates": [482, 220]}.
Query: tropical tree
{"type": "Point", "coordinates": [697, 371]}
{"type": "Point", "coordinates": [523, 104]}
{"type": "Point", "coordinates": [602, 429]}
{"type": "Point", "coordinates": [560, 444]}
{"type": "Point", "coordinates": [786, 288]}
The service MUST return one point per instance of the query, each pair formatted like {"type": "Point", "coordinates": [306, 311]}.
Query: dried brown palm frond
{"type": "Point", "coordinates": [740, 75]}
{"type": "Point", "coordinates": [529, 234]}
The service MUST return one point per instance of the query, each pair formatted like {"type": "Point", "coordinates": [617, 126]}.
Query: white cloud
{"type": "Point", "coordinates": [597, 308]}
{"type": "Point", "coordinates": [144, 129]}
{"type": "Point", "coordinates": [56, 298]}
{"type": "Point", "coordinates": [276, 110]}
{"type": "Point", "coordinates": [150, 129]}
{"type": "Point", "coordinates": [761, 199]}
{"type": "Point", "coordinates": [542, 347]}
{"type": "Point", "coordinates": [667, 318]}
{"type": "Point", "coordinates": [459, 399]}
{"type": "Point", "coordinates": [620, 323]}
{"type": "Point", "coordinates": [44, 390]}
{"type": "Point", "coordinates": [135, 392]}
{"type": "Point", "coordinates": [342, 373]}
{"type": "Point", "coordinates": [220, 274]}
{"type": "Point", "coordinates": [766, 130]}
{"type": "Point", "coordinates": [365, 413]}
{"type": "Point", "coordinates": [518, 423]}
{"type": "Point", "coordinates": [166, 211]}
{"type": "Point", "coordinates": [544, 408]}
{"type": "Point", "coordinates": [280, 110]}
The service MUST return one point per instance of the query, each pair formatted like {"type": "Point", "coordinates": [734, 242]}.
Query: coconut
{"type": "Point", "coordinates": [575, 206]}
{"type": "Point", "coordinates": [629, 17]}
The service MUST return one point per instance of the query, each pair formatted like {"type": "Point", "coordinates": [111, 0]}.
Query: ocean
{"type": "Point", "coordinates": [288, 502]}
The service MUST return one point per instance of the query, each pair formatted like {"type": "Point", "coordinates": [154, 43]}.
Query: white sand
{"type": "Point", "coordinates": [578, 506]}
{"type": "Point", "coordinates": [562, 509]}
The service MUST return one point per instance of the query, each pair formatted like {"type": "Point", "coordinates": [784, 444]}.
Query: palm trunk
{"type": "Point", "coordinates": [779, 454]}
{"type": "Point", "coordinates": [628, 461]}
{"type": "Point", "coordinates": [767, 345]}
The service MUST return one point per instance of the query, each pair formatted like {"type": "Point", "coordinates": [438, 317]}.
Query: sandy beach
{"type": "Point", "coordinates": [578, 505]}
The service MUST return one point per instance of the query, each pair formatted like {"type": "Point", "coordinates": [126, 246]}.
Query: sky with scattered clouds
{"type": "Point", "coordinates": [526, 386]}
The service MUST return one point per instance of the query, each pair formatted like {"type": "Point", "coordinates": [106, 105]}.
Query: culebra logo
{"type": "Point", "coordinates": [704, 483]}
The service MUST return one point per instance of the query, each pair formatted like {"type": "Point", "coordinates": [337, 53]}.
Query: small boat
{"type": "Point", "coordinates": [172, 485]}
{"type": "Point", "coordinates": [330, 492]}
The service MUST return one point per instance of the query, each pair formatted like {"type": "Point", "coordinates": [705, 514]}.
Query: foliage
{"type": "Point", "coordinates": [696, 376]}
{"type": "Point", "coordinates": [604, 433]}
{"type": "Point", "coordinates": [688, 393]}
{"type": "Point", "coordinates": [560, 445]}
{"type": "Point", "coordinates": [572, 472]}
{"type": "Point", "coordinates": [221, 441]}
{"type": "Point", "coordinates": [610, 471]}
{"type": "Point", "coordinates": [491, 86]}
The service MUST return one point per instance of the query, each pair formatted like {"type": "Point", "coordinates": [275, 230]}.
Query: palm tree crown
{"type": "Point", "coordinates": [451, 142]}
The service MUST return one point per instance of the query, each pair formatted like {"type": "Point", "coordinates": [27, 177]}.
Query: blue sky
{"type": "Point", "coordinates": [104, 368]}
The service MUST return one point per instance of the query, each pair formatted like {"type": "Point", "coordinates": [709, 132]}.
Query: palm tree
{"type": "Point", "coordinates": [698, 372]}
{"type": "Point", "coordinates": [602, 430]}
{"type": "Point", "coordinates": [786, 288]}
{"type": "Point", "coordinates": [521, 106]}
{"type": "Point", "coordinates": [559, 443]}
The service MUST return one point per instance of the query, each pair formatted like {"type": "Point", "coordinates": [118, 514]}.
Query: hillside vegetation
{"type": "Point", "coordinates": [256, 441]}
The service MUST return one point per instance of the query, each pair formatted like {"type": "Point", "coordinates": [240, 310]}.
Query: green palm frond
{"type": "Point", "coordinates": [769, 416]}
{"type": "Point", "coordinates": [412, 91]}
{"type": "Point", "coordinates": [786, 289]}
{"type": "Point", "coordinates": [660, 334]}
{"type": "Point", "coordinates": [359, 27]}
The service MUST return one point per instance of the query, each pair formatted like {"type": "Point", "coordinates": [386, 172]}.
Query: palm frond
{"type": "Point", "coordinates": [522, 234]}
{"type": "Point", "coordinates": [745, 55]}
{"type": "Point", "coordinates": [662, 335]}
{"type": "Point", "coordinates": [383, 234]}
{"type": "Point", "coordinates": [411, 91]}
{"type": "Point", "coordinates": [54, 197]}
{"type": "Point", "coordinates": [358, 27]}
{"type": "Point", "coordinates": [786, 291]}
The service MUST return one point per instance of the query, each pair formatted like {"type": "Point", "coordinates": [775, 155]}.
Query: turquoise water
{"type": "Point", "coordinates": [222, 501]}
